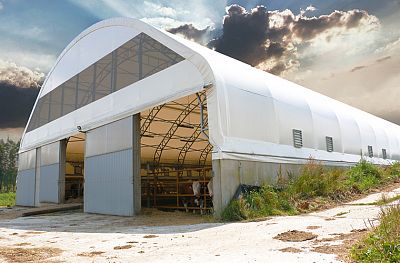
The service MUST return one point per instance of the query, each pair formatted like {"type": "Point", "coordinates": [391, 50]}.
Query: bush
{"type": "Point", "coordinates": [364, 176]}
{"type": "Point", "coordinates": [7, 199]}
{"type": "Point", "coordinates": [383, 243]}
{"type": "Point", "coordinates": [234, 211]}
{"type": "Point", "coordinates": [265, 202]}
{"type": "Point", "coordinates": [392, 171]}
{"type": "Point", "coordinates": [315, 181]}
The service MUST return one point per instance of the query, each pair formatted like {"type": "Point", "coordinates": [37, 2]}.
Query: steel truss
{"type": "Point", "coordinates": [172, 130]}
{"type": "Point", "coordinates": [200, 131]}
{"type": "Point", "coordinates": [197, 132]}
{"type": "Point", "coordinates": [150, 118]}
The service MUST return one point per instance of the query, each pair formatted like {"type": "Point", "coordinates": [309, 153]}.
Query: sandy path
{"type": "Point", "coordinates": [156, 237]}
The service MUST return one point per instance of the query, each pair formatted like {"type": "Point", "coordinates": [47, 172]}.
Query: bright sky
{"type": "Point", "coordinates": [351, 55]}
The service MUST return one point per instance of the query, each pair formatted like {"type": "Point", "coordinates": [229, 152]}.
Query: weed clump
{"type": "Point", "coordinates": [364, 176]}
{"type": "Point", "coordinates": [7, 199]}
{"type": "Point", "coordinates": [266, 201]}
{"type": "Point", "coordinates": [383, 243]}
{"type": "Point", "coordinates": [314, 187]}
{"type": "Point", "coordinates": [316, 181]}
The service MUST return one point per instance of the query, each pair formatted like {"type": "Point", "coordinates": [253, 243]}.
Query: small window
{"type": "Point", "coordinates": [384, 154]}
{"type": "Point", "coordinates": [329, 144]}
{"type": "Point", "coordinates": [370, 151]}
{"type": "Point", "coordinates": [297, 138]}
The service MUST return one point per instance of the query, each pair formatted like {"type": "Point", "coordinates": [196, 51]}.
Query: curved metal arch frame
{"type": "Point", "coordinates": [204, 154]}
{"type": "Point", "coordinates": [174, 127]}
{"type": "Point", "coordinates": [149, 118]}
{"type": "Point", "coordinates": [200, 130]}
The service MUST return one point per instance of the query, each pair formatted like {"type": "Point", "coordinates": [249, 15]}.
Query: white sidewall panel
{"type": "Point", "coordinates": [50, 173]}
{"type": "Point", "coordinates": [109, 184]}
{"type": "Point", "coordinates": [50, 183]}
{"type": "Point", "coordinates": [26, 187]}
{"type": "Point", "coordinates": [108, 173]}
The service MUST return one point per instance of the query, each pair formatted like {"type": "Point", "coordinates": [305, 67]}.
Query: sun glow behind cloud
{"type": "Point", "coordinates": [162, 14]}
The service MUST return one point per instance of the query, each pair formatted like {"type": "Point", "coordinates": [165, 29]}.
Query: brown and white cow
{"type": "Point", "coordinates": [186, 189]}
{"type": "Point", "coordinates": [195, 188]}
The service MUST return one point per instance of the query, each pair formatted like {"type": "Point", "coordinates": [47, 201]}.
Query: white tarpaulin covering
{"type": "Point", "coordinates": [252, 114]}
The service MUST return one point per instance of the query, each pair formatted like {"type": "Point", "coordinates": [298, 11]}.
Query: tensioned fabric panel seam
{"type": "Point", "coordinates": [340, 140]}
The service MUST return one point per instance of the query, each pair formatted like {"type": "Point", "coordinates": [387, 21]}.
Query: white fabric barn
{"type": "Point", "coordinates": [129, 112]}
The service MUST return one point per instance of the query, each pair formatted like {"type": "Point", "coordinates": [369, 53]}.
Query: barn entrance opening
{"type": "Point", "coordinates": [74, 168]}
{"type": "Point", "coordinates": [176, 165]}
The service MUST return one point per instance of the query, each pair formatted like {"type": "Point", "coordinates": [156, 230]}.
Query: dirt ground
{"type": "Point", "coordinates": [295, 236]}
{"type": "Point", "coordinates": [157, 236]}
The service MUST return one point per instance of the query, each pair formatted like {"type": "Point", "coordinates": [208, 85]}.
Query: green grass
{"type": "Point", "coordinates": [341, 213]}
{"type": "Point", "coordinates": [315, 181]}
{"type": "Point", "coordinates": [313, 188]}
{"type": "Point", "coordinates": [383, 243]}
{"type": "Point", "coordinates": [7, 199]}
{"type": "Point", "coordinates": [364, 176]}
{"type": "Point", "coordinates": [386, 200]}
{"type": "Point", "coordinates": [256, 204]}
{"type": "Point", "coordinates": [383, 201]}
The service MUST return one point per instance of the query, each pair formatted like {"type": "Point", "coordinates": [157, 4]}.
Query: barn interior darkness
{"type": "Point", "coordinates": [175, 151]}
{"type": "Point", "coordinates": [74, 168]}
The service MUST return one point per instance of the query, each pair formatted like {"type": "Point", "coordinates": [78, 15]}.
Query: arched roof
{"type": "Point", "coordinates": [252, 114]}
{"type": "Point", "coordinates": [183, 78]}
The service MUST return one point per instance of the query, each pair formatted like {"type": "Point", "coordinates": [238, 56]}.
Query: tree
{"type": "Point", "coordinates": [8, 165]}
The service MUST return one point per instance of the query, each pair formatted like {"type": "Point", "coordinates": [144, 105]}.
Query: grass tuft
{"type": "Point", "coordinates": [7, 199]}
{"type": "Point", "coordinates": [386, 200]}
{"type": "Point", "coordinates": [265, 202]}
{"type": "Point", "coordinates": [383, 243]}
{"type": "Point", "coordinates": [364, 176]}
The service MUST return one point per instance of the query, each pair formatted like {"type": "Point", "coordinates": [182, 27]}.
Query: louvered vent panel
{"type": "Point", "coordinates": [329, 144]}
{"type": "Point", "coordinates": [297, 138]}
{"type": "Point", "coordinates": [370, 151]}
{"type": "Point", "coordinates": [384, 154]}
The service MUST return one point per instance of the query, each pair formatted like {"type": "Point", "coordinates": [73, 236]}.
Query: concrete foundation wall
{"type": "Point", "coordinates": [109, 184]}
{"type": "Point", "coordinates": [49, 183]}
{"type": "Point", "coordinates": [229, 174]}
{"type": "Point", "coordinates": [26, 187]}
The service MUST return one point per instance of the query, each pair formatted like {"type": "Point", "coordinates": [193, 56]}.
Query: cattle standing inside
{"type": "Point", "coordinates": [186, 189]}
{"type": "Point", "coordinates": [195, 189]}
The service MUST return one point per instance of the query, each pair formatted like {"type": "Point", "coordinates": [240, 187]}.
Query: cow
{"type": "Point", "coordinates": [210, 187]}
{"type": "Point", "coordinates": [199, 188]}
{"type": "Point", "coordinates": [195, 188]}
{"type": "Point", "coordinates": [198, 200]}
{"type": "Point", "coordinates": [186, 189]}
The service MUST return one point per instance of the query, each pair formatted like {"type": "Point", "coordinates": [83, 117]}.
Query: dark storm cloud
{"type": "Point", "coordinates": [19, 87]}
{"type": "Point", "coordinates": [245, 34]}
{"type": "Point", "coordinates": [269, 39]}
{"type": "Point", "coordinates": [192, 33]}
{"type": "Point", "coordinates": [306, 28]}
{"type": "Point", "coordinates": [16, 103]}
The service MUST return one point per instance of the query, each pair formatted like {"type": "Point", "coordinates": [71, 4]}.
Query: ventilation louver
{"type": "Point", "coordinates": [384, 154]}
{"type": "Point", "coordinates": [329, 144]}
{"type": "Point", "coordinates": [297, 138]}
{"type": "Point", "coordinates": [370, 151]}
